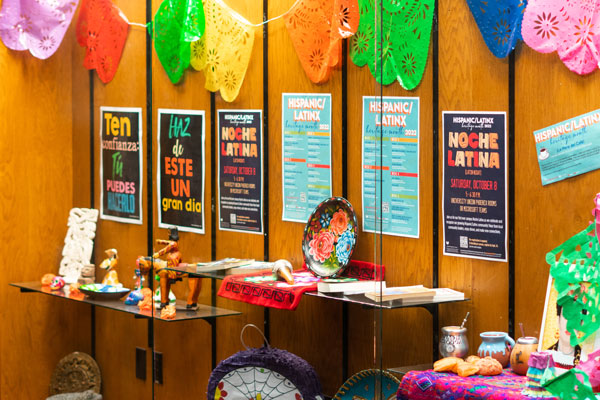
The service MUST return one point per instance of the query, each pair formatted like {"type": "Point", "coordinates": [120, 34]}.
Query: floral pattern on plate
{"type": "Point", "coordinates": [329, 237]}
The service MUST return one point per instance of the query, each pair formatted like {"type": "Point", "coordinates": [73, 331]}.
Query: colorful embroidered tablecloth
{"type": "Point", "coordinates": [263, 290]}
{"type": "Point", "coordinates": [421, 385]}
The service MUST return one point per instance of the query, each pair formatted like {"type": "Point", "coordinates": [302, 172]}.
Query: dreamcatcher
{"type": "Point", "coordinates": [264, 373]}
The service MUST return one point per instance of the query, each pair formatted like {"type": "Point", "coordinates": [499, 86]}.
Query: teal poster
{"type": "Point", "coordinates": [306, 158]}
{"type": "Point", "coordinates": [569, 148]}
{"type": "Point", "coordinates": [390, 165]}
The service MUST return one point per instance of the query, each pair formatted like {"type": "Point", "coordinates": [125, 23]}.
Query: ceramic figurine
{"type": "Point", "coordinates": [57, 283]}
{"type": "Point", "coordinates": [47, 279]}
{"type": "Point", "coordinates": [283, 269]}
{"type": "Point", "coordinates": [109, 265]}
{"type": "Point", "coordinates": [519, 357]}
{"type": "Point", "coordinates": [497, 345]}
{"type": "Point", "coordinates": [167, 277]}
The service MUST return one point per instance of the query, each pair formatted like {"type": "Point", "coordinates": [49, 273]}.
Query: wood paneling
{"type": "Point", "coordinates": [36, 176]}
{"type": "Point", "coordinates": [236, 244]}
{"type": "Point", "coordinates": [470, 79]}
{"type": "Point", "coordinates": [298, 331]}
{"type": "Point", "coordinates": [118, 334]}
{"type": "Point", "coordinates": [408, 261]}
{"type": "Point", "coordinates": [546, 216]}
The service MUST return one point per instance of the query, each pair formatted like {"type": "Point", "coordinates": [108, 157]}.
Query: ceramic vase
{"type": "Point", "coordinates": [497, 345]}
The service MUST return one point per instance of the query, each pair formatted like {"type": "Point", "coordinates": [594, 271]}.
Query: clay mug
{"type": "Point", "coordinates": [519, 356]}
{"type": "Point", "coordinates": [496, 345]}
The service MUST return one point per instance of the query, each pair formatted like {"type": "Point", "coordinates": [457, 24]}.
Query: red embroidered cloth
{"type": "Point", "coordinates": [264, 290]}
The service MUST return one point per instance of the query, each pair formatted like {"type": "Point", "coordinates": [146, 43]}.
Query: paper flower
{"type": "Point", "coordinates": [570, 28]}
{"type": "Point", "coordinates": [102, 30]}
{"type": "Point", "coordinates": [406, 31]}
{"type": "Point", "coordinates": [35, 25]}
{"type": "Point", "coordinates": [317, 28]}
{"type": "Point", "coordinates": [223, 52]}
{"type": "Point", "coordinates": [177, 23]}
{"type": "Point", "coordinates": [499, 22]}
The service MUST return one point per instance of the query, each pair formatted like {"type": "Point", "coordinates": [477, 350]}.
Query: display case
{"type": "Point", "coordinates": [261, 60]}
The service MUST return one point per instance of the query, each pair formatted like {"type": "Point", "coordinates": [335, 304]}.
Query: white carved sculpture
{"type": "Point", "coordinates": [79, 243]}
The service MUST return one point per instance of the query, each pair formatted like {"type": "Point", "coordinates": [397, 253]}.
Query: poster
{"type": "Point", "coordinates": [181, 169]}
{"type": "Point", "coordinates": [306, 158]}
{"type": "Point", "coordinates": [240, 170]}
{"type": "Point", "coordinates": [390, 165]}
{"type": "Point", "coordinates": [121, 164]}
{"type": "Point", "coordinates": [474, 205]}
{"type": "Point", "coordinates": [569, 148]}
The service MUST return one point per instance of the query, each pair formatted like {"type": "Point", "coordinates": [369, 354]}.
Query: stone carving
{"type": "Point", "coordinates": [76, 372]}
{"type": "Point", "coordinates": [79, 243]}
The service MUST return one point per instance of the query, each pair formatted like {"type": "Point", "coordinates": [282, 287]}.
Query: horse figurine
{"type": "Point", "coordinates": [168, 276]}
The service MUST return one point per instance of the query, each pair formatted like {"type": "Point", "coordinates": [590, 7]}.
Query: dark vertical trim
{"type": "Point", "coordinates": [149, 175]}
{"type": "Point", "coordinates": [435, 278]}
{"type": "Point", "coordinates": [345, 119]}
{"type": "Point", "coordinates": [92, 199]}
{"type": "Point", "coordinates": [213, 177]}
{"type": "Point", "coordinates": [213, 223]}
{"type": "Point", "coordinates": [345, 192]}
{"type": "Point", "coordinates": [92, 142]}
{"type": "Point", "coordinates": [93, 331]}
{"type": "Point", "coordinates": [436, 165]}
{"type": "Point", "coordinates": [511, 194]}
{"type": "Point", "coordinates": [344, 341]}
{"type": "Point", "coordinates": [149, 135]}
{"type": "Point", "coordinates": [265, 142]}
{"type": "Point", "coordinates": [378, 313]}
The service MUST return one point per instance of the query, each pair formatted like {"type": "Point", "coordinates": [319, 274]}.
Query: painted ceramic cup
{"type": "Point", "coordinates": [453, 342]}
{"type": "Point", "coordinates": [496, 345]}
{"type": "Point", "coordinates": [519, 356]}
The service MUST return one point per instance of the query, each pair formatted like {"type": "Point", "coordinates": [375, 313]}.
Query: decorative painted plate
{"type": "Point", "coordinates": [265, 373]}
{"type": "Point", "coordinates": [369, 384]}
{"type": "Point", "coordinates": [101, 291]}
{"type": "Point", "coordinates": [329, 237]}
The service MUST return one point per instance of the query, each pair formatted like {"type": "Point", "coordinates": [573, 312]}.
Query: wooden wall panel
{"type": "Point", "coordinates": [185, 346]}
{"type": "Point", "coordinates": [118, 334]}
{"type": "Point", "coordinates": [36, 176]}
{"type": "Point", "coordinates": [235, 244]}
{"type": "Point", "coordinates": [470, 79]}
{"type": "Point", "coordinates": [546, 216]}
{"type": "Point", "coordinates": [408, 261]}
{"type": "Point", "coordinates": [297, 331]}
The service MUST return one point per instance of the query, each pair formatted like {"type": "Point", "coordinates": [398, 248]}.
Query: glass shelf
{"type": "Point", "coordinates": [349, 298]}
{"type": "Point", "coordinates": [203, 311]}
{"type": "Point", "coordinates": [367, 302]}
